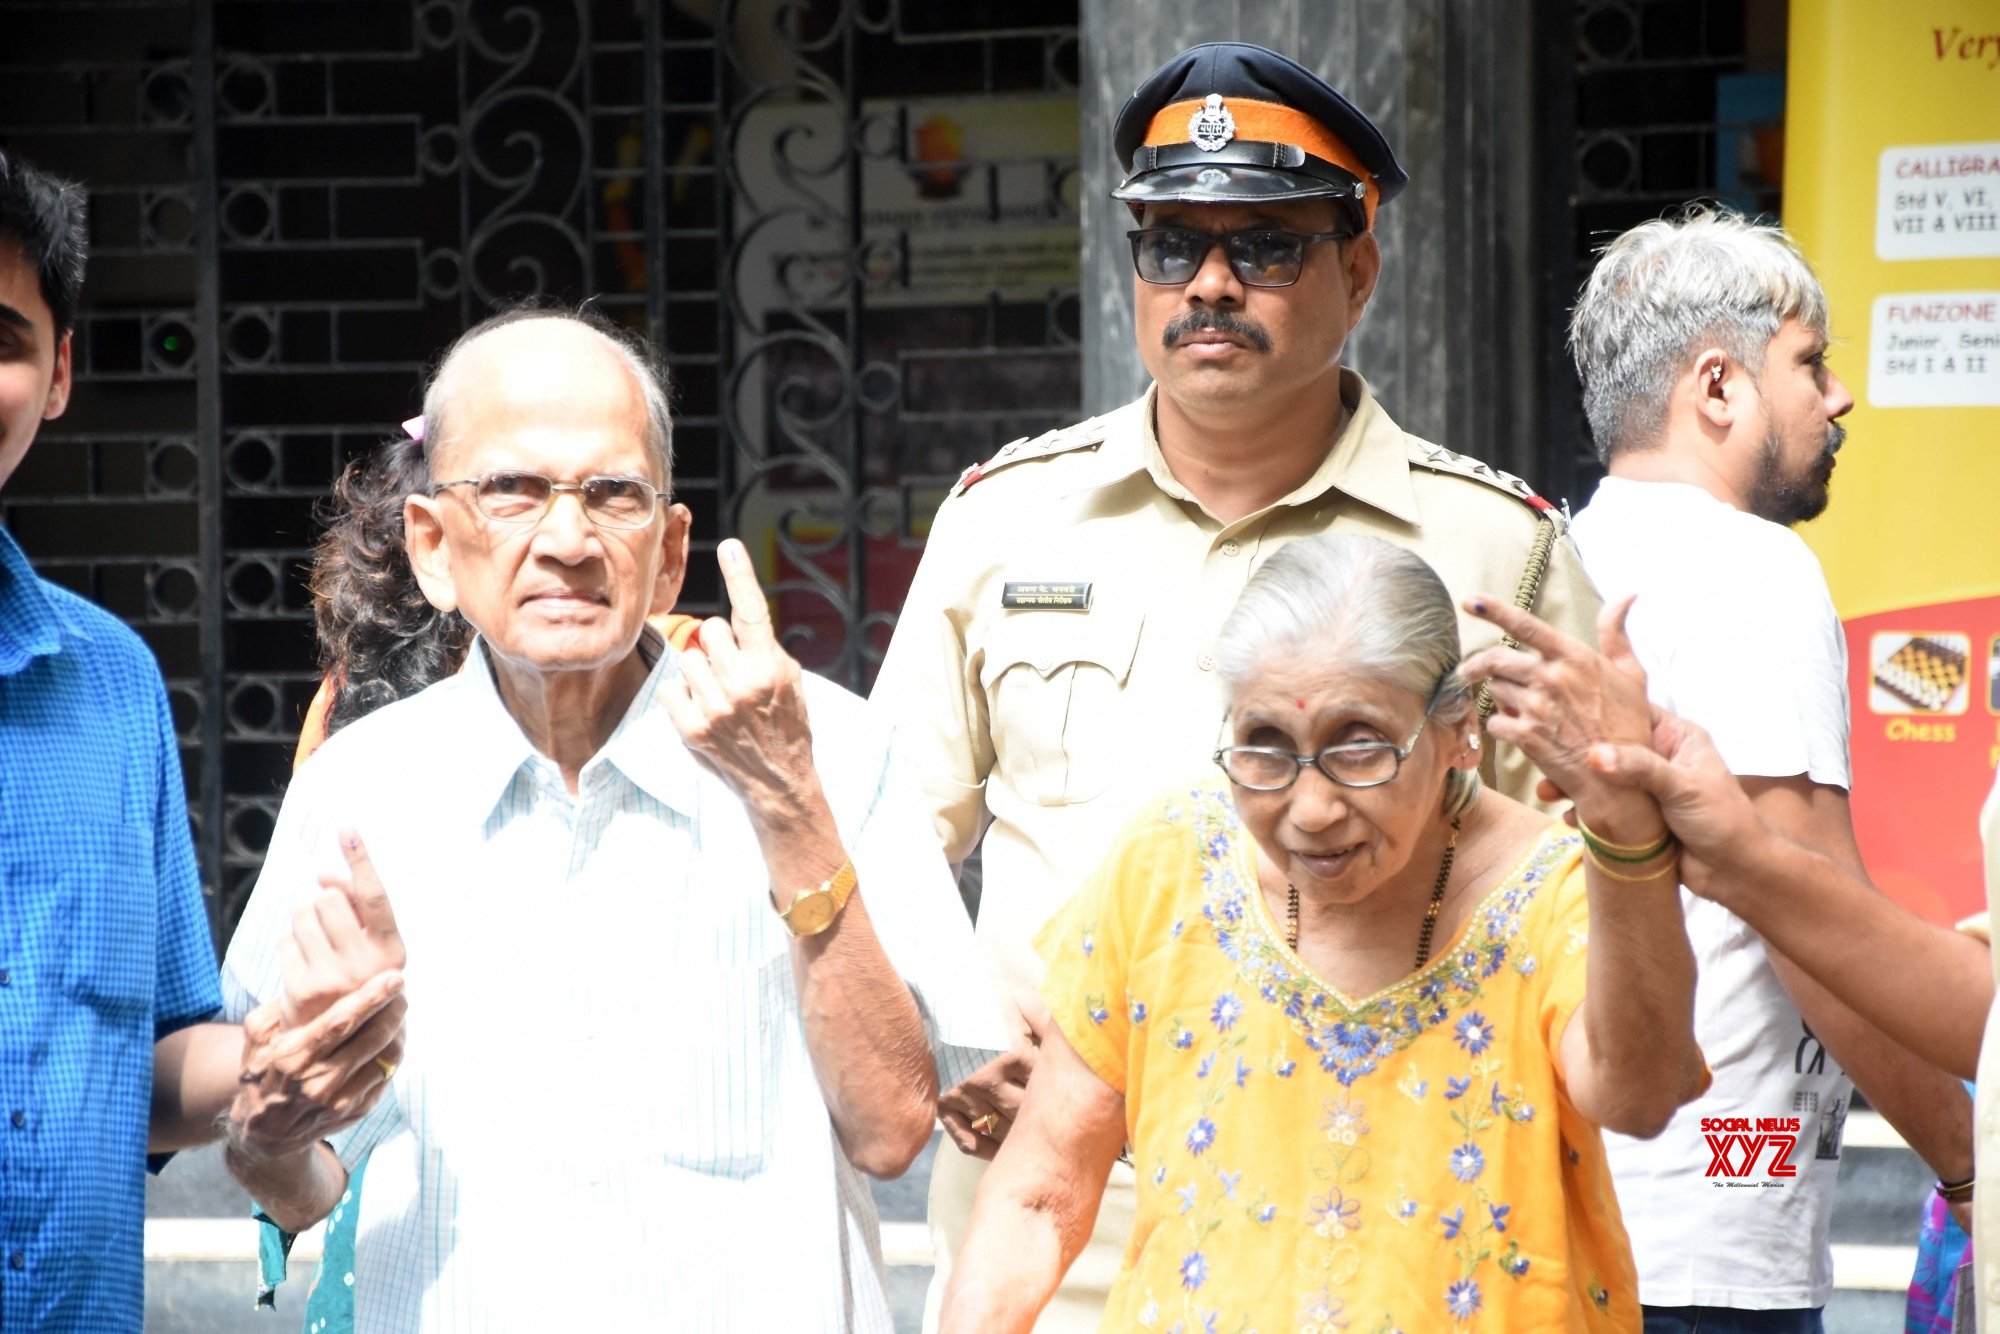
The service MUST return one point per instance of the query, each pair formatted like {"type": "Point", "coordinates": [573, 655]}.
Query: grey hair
{"type": "Point", "coordinates": [1668, 288]}
{"type": "Point", "coordinates": [637, 355]}
{"type": "Point", "coordinates": [1370, 605]}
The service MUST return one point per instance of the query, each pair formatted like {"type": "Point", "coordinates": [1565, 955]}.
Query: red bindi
{"type": "Point", "coordinates": [1301, 703]}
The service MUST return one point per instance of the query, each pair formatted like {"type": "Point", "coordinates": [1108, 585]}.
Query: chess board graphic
{"type": "Point", "coordinates": [1919, 673]}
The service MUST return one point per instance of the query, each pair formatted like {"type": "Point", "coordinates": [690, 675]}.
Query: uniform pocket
{"type": "Point", "coordinates": [1054, 684]}
{"type": "Point", "coordinates": [106, 910]}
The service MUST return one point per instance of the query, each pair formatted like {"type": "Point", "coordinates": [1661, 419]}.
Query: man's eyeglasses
{"type": "Point", "coordinates": [1172, 256]}
{"type": "Point", "coordinates": [524, 497]}
{"type": "Point", "coordinates": [1350, 764]}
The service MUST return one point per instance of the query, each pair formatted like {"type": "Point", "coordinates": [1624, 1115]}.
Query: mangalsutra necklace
{"type": "Point", "coordinates": [1430, 913]}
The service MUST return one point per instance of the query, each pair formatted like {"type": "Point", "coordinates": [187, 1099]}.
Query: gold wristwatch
{"type": "Point", "coordinates": [813, 910]}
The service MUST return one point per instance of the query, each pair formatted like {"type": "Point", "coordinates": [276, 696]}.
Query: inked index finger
{"type": "Point", "coordinates": [1527, 629]}
{"type": "Point", "coordinates": [749, 613]}
{"type": "Point", "coordinates": [369, 896]}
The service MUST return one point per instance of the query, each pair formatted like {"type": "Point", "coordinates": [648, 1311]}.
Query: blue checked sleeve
{"type": "Point", "coordinates": [185, 989]}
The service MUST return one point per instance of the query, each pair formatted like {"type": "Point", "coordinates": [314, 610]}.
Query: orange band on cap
{"type": "Point", "coordinates": [1265, 122]}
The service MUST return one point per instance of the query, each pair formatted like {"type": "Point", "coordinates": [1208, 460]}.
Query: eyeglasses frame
{"type": "Point", "coordinates": [555, 489]}
{"type": "Point", "coordinates": [1222, 239]}
{"type": "Point", "coordinates": [1299, 762]}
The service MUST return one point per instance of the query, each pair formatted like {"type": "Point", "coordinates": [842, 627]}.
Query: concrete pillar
{"type": "Point", "coordinates": [1454, 338]}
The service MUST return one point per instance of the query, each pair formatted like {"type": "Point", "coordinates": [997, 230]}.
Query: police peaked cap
{"type": "Point", "coordinates": [1232, 123]}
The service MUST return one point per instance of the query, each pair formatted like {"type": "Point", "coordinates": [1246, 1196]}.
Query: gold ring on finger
{"type": "Point", "coordinates": [986, 1124]}
{"type": "Point", "coordinates": [386, 1066]}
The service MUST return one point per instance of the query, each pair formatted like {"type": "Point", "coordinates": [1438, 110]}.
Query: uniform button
{"type": "Point", "coordinates": [20, 1119]}
{"type": "Point", "coordinates": [1205, 662]}
{"type": "Point", "coordinates": [6, 977]}
{"type": "Point", "coordinates": [17, 1261]}
{"type": "Point", "coordinates": [1231, 547]}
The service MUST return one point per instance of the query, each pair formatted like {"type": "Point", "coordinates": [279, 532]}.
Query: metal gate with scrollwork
{"type": "Point", "coordinates": [850, 226]}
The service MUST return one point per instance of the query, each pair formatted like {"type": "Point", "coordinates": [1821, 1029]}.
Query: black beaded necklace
{"type": "Point", "coordinates": [1430, 913]}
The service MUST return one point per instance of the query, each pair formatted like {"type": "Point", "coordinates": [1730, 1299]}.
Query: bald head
{"type": "Point", "coordinates": [536, 357]}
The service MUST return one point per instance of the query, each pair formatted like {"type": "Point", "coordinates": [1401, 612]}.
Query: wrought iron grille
{"type": "Point", "coordinates": [840, 220]}
{"type": "Point", "coordinates": [1671, 101]}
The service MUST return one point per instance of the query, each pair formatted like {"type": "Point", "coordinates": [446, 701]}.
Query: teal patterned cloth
{"type": "Point", "coordinates": [330, 1300]}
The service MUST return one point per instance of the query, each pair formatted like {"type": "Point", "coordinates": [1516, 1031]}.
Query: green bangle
{"type": "Point", "coordinates": [1625, 853]}
{"type": "Point", "coordinates": [1669, 867]}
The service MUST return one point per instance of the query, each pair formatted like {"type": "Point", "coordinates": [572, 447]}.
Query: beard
{"type": "Point", "coordinates": [1794, 498]}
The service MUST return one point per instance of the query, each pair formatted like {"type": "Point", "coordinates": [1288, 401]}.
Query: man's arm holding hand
{"type": "Point", "coordinates": [318, 1057]}
{"type": "Point", "coordinates": [1924, 987]}
{"type": "Point", "coordinates": [740, 705]}
{"type": "Point", "coordinates": [1926, 1105]}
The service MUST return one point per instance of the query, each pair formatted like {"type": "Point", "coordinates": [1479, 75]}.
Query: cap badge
{"type": "Point", "coordinates": [1211, 126]}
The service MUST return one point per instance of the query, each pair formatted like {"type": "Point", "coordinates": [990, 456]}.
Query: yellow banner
{"type": "Point", "coordinates": [1892, 188]}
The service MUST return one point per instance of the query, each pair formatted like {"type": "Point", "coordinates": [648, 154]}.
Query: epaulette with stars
{"type": "Point", "coordinates": [1084, 435]}
{"type": "Point", "coordinates": [1436, 458]}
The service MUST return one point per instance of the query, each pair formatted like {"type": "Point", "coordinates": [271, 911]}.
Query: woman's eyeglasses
{"type": "Point", "coordinates": [523, 497]}
{"type": "Point", "coordinates": [1258, 257]}
{"type": "Point", "coordinates": [1350, 764]}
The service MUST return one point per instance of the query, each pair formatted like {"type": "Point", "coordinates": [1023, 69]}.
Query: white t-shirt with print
{"type": "Point", "coordinates": [1737, 633]}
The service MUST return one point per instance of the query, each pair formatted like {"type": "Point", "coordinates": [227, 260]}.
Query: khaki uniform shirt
{"type": "Point", "coordinates": [1045, 725]}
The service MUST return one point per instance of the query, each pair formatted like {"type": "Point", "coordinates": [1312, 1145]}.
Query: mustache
{"type": "Point", "coordinates": [1205, 318]}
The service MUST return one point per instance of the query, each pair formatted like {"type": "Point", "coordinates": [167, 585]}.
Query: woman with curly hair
{"type": "Point", "coordinates": [379, 640]}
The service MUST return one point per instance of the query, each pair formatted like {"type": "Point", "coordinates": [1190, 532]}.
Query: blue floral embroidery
{"type": "Point", "coordinates": [1187, 1195]}
{"type": "Point", "coordinates": [1453, 1222]}
{"type": "Point", "coordinates": [1194, 1271]}
{"type": "Point", "coordinates": [1455, 1088]}
{"type": "Point", "coordinates": [1207, 1064]}
{"type": "Point", "coordinates": [1499, 1212]}
{"type": "Point", "coordinates": [1474, 1033]}
{"type": "Point", "coordinates": [1334, 1214]}
{"type": "Point", "coordinates": [1201, 1136]}
{"type": "Point", "coordinates": [1138, 1012]}
{"type": "Point", "coordinates": [1242, 1072]}
{"type": "Point", "coordinates": [1226, 1012]}
{"type": "Point", "coordinates": [1467, 1162]}
{"type": "Point", "coordinates": [1462, 1299]}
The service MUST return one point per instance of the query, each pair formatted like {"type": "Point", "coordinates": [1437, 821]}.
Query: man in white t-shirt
{"type": "Point", "coordinates": [1702, 344]}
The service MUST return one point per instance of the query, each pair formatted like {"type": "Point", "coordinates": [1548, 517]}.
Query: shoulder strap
{"type": "Point", "coordinates": [1084, 435]}
{"type": "Point", "coordinates": [1436, 458]}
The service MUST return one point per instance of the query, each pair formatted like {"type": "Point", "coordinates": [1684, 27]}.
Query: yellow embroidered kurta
{"type": "Point", "coordinates": [1409, 1161]}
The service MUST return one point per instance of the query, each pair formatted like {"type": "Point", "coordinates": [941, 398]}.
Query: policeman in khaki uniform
{"type": "Point", "coordinates": [1051, 668]}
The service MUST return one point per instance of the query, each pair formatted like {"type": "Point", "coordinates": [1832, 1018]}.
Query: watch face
{"type": "Point", "coordinates": [811, 913]}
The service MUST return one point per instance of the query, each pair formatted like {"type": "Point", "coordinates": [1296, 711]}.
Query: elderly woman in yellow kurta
{"type": "Point", "coordinates": [1356, 1023]}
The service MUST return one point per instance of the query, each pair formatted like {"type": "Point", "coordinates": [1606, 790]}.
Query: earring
{"type": "Point", "coordinates": [1472, 743]}
{"type": "Point", "coordinates": [1715, 373]}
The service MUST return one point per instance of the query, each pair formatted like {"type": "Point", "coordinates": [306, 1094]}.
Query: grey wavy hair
{"type": "Point", "coordinates": [1370, 605]}
{"type": "Point", "coordinates": [1665, 290]}
{"type": "Point", "coordinates": [638, 356]}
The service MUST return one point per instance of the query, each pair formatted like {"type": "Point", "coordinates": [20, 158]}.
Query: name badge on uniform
{"type": "Point", "coordinates": [1056, 596]}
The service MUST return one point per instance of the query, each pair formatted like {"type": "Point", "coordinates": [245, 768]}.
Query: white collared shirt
{"type": "Point", "coordinates": [607, 1115]}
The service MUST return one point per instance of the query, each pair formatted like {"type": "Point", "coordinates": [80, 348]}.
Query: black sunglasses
{"type": "Point", "coordinates": [1259, 257]}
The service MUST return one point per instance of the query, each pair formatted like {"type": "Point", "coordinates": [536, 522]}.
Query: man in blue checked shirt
{"type": "Point", "coordinates": [107, 974]}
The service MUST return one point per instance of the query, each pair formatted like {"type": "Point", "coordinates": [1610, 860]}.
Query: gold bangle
{"type": "Point", "coordinates": [1628, 853]}
{"type": "Point", "coordinates": [1667, 867]}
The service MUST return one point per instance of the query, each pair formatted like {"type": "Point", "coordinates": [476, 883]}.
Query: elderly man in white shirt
{"type": "Point", "coordinates": [683, 961]}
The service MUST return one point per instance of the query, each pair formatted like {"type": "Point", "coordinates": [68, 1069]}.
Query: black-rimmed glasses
{"type": "Point", "coordinates": [1259, 257]}
{"type": "Point", "coordinates": [523, 497]}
